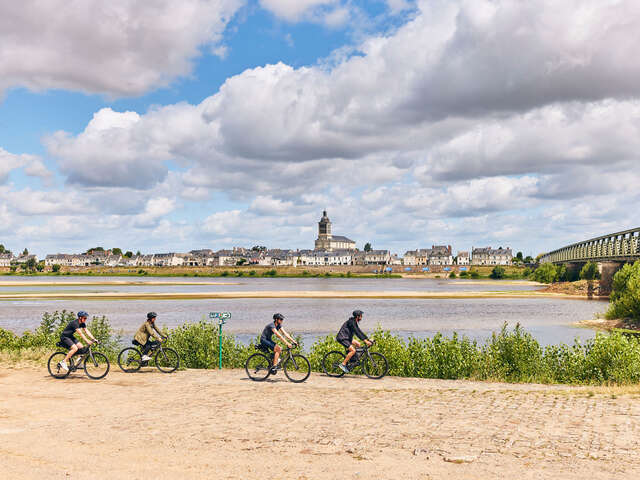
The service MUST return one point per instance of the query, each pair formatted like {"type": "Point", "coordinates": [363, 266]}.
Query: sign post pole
{"type": "Point", "coordinates": [222, 319]}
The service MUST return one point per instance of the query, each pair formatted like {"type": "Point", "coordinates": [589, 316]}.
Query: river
{"type": "Point", "coordinates": [550, 320]}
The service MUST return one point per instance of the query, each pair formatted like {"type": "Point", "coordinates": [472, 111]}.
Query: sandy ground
{"type": "Point", "coordinates": [89, 283]}
{"type": "Point", "coordinates": [211, 424]}
{"type": "Point", "coordinates": [278, 294]}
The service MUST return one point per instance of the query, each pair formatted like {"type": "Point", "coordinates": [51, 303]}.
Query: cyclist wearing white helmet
{"type": "Point", "coordinates": [345, 337]}
{"type": "Point", "coordinates": [146, 330]}
{"type": "Point", "coordinates": [79, 326]}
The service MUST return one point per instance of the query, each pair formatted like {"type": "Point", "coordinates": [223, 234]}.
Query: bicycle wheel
{"type": "Point", "coordinates": [130, 360]}
{"type": "Point", "coordinates": [52, 365]}
{"type": "Point", "coordinates": [96, 365]}
{"type": "Point", "coordinates": [167, 360]}
{"type": "Point", "coordinates": [258, 367]}
{"type": "Point", "coordinates": [375, 365]}
{"type": "Point", "coordinates": [297, 368]}
{"type": "Point", "coordinates": [331, 363]}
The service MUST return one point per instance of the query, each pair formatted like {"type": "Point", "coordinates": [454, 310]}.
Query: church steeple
{"type": "Point", "coordinates": [324, 226]}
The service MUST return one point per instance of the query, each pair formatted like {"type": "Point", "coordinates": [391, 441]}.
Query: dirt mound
{"type": "Point", "coordinates": [585, 288]}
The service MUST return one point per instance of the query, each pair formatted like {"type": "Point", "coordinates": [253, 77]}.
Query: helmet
{"type": "Point", "coordinates": [151, 315]}
{"type": "Point", "coordinates": [82, 313]}
{"type": "Point", "coordinates": [278, 316]}
{"type": "Point", "coordinates": [357, 313]}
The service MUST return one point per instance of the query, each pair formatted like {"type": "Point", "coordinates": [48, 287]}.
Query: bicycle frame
{"type": "Point", "coordinates": [76, 360]}
{"type": "Point", "coordinates": [361, 352]}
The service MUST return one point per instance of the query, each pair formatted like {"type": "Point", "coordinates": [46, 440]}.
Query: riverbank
{"type": "Point", "coordinates": [583, 288]}
{"type": "Point", "coordinates": [496, 431]}
{"type": "Point", "coordinates": [333, 294]}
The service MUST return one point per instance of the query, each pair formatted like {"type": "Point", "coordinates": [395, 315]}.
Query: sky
{"type": "Point", "coordinates": [170, 126]}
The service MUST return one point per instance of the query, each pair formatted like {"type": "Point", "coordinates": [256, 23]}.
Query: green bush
{"type": "Point", "coordinates": [546, 273]}
{"type": "Point", "coordinates": [498, 272]}
{"type": "Point", "coordinates": [625, 293]}
{"type": "Point", "coordinates": [198, 346]}
{"type": "Point", "coordinates": [453, 275]}
{"type": "Point", "coordinates": [589, 271]}
{"type": "Point", "coordinates": [464, 274]}
{"type": "Point", "coordinates": [510, 355]}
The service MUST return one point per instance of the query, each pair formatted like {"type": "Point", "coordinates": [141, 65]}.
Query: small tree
{"type": "Point", "coordinates": [55, 268]}
{"type": "Point", "coordinates": [31, 264]}
{"type": "Point", "coordinates": [40, 266]}
{"type": "Point", "coordinates": [242, 261]}
{"type": "Point", "coordinates": [129, 254]}
{"type": "Point", "coordinates": [498, 272]}
{"type": "Point", "coordinates": [453, 275]}
{"type": "Point", "coordinates": [116, 251]}
{"type": "Point", "coordinates": [625, 293]}
{"type": "Point", "coordinates": [25, 252]}
{"type": "Point", "coordinates": [546, 273]}
{"type": "Point", "coordinates": [1, 248]}
{"type": "Point", "coordinates": [367, 247]}
{"type": "Point", "coordinates": [589, 271]}
{"type": "Point", "coordinates": [519, 256]}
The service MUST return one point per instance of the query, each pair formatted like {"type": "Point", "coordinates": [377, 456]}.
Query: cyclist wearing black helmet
{"type": "Point", "coordinates": [146, 330]}
{"type": "Point", "coordinates": [79, 326]}
{"type": "Point", "coordinates": [345, 337]}
{"type": "Point", "coordinates": [266, 339]}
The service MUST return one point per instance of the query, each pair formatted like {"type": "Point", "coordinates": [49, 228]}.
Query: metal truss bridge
{"type": "Point", "coordinates": [620, 246]}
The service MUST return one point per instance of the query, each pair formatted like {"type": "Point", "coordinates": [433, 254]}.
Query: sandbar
{"type": "Point", "coordinates": [281, 294]}
{"type": "Point", "coordinates": [120, 283]}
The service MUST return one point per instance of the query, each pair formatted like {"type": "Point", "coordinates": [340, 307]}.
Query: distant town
{"type": "Point", "coordinates": [329, 250]}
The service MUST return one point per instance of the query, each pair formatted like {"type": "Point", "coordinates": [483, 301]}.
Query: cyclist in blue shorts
{"type": "Point", "coordinates": [266, 339]}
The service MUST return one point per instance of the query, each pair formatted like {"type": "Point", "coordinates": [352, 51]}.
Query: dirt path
{"type": "Point", "coordinates": [210, 424]}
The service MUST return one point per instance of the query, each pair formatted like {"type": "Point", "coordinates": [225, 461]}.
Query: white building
{"type": "Point", "coordinates": [6, 259]}
{"type": "Point", "coordinates": [372, 257]}
{"type": "Point", "coordinates": [490, 256]}
{"type": "Point", "coordinates": [323, 258]}
{"type": "Point", "coordinates": [167, 260]}
{"type": "Point", "coordinates": [462, 258]}
{"type": "Point", "coordinates": [440, 255]}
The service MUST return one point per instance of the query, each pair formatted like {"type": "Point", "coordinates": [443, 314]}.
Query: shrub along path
{"type": "Point", "coordinates": [218, 424]}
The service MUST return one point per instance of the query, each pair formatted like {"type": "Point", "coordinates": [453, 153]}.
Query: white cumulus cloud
{"type": "Point", "coordinates": [119, 47]}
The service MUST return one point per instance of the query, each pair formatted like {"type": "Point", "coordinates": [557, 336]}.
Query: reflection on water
{"type": "Point", "coordinates": [549, 320]}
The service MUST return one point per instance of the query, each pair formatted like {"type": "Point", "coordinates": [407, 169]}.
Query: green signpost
{"type": "Point", "coordinates": [222, 319]}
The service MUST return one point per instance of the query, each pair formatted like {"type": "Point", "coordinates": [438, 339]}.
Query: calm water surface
{"type": "Point", "coordinates": [549, 320]}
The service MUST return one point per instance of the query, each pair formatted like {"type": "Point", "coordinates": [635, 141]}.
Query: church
{"type": "Point", "coordinates": [328, 242]}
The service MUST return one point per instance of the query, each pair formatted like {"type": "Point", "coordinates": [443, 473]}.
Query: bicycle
{"type": "Point", "coordinates": [374, 364]}
{"type": "Point", "coordinates": [96, 365]}
{"type": "Point", "coordinates": [259, 365]}
{"type": "Point", "coordinates": [166, 359]}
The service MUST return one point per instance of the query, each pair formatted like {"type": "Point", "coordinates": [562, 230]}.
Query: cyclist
{"type": "Point", "coordinates": [345, 337]}
{"type": "Point", "coordinates": [78, 325]}
{"type": "Point", "coordinates": [146, 330]}
{"type": "Point", "coordinates": [266, 339]}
